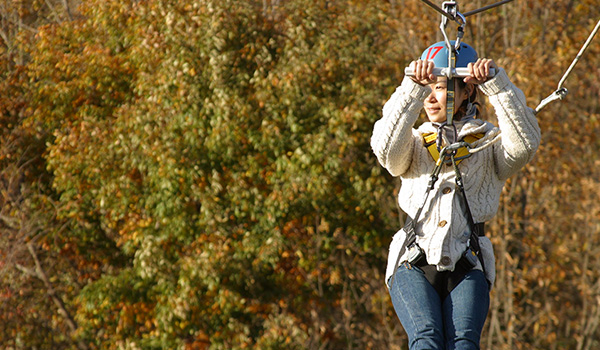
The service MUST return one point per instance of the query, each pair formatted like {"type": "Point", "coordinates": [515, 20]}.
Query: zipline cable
{"type": "Point", "coordinates": [561, 92]}
{"type": "Point", "coordinates": [486, 8]}
{"type": "Point", "coordinates": [451, 17]}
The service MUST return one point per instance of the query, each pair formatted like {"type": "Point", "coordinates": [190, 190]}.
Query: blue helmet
{"type": "Point", "coordinates": [438, 53]}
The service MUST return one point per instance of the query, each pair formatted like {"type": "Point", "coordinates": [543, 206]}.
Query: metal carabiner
{"type": "Point", "coordinates": [451, 8]}
{"type": "Point", "coordinates": [461, 29]}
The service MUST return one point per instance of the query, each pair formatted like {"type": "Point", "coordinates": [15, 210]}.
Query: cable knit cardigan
{"type": "Point", "coordinates": [442, 227]}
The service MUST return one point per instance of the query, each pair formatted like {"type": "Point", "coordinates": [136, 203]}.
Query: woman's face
{"type": "Point", "coordinates": [435, 103]}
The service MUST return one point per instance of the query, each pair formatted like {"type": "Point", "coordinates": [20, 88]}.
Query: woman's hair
{"type": "Point", "coordinates": [462, 110]}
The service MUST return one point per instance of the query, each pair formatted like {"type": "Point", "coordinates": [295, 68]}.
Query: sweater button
{"type": "Point", "coordinates": [446, 190]}
{"type": "Point", "coordinates": [442, 223]}
{"type": "Point", "coordinates": [446, 260]}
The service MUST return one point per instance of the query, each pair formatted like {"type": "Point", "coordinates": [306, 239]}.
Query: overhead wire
{"type": "Point", "coordinates": [467, 14]}
{"type": "Point", "coordinates": [485, 8]}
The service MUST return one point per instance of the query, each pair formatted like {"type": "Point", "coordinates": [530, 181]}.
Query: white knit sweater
{"type": "Point", "coordinates": [442, 227]}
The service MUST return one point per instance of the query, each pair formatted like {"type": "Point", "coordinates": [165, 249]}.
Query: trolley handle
{"type": "Point", "coordinates": [443, 72]}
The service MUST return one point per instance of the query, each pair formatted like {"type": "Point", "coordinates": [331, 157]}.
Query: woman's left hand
{"type": "Point", "coordinates": [480, 70]}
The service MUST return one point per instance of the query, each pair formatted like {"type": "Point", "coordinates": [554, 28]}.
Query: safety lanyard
{"type": "Point", "coordinates": [451, 8]}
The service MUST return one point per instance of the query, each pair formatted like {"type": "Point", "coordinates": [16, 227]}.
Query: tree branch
{"type": "Point", "coordinates": [62, 310]}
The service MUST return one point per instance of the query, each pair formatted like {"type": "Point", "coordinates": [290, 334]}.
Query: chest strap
{"type": "Point", "coordinates": [429, 141]}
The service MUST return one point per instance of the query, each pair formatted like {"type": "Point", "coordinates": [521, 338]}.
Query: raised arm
{"type": "Point", "coordinates": [521, 135]}
{"type": "Point", "coordinates": [392, 140]}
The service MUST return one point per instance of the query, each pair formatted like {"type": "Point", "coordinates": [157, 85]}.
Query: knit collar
{"type": "Point", "coordinates": [448, 134]}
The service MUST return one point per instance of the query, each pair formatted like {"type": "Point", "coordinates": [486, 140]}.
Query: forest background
{"type": "Point", "coordinates": [181, 174]}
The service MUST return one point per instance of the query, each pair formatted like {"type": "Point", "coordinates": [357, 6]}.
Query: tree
{"type": "Point", "coordinates": [197, 175]}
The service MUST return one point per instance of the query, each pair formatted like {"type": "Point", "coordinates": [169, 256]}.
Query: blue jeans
{"type": "Point", "coordinates": [431, 323]}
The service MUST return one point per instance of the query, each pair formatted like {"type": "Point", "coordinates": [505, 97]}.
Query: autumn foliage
{"type": "Point", "coordinates": [179, 174]}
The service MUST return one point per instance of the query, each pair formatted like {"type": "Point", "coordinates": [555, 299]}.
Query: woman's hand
{"type": "Point", "coordinates": [423, 72]}
{"type": "Point", "coordinates": [479, 70]}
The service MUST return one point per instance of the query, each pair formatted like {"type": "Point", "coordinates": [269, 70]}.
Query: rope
{"type": "Point", "coordinates": [583, 48]}
{"type": "Point", "coordinates": [489, 139]}
{"type": "Point", "coordinates": [561, 92]}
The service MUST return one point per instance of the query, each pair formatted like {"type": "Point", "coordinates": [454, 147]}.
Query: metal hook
{"type": "Point", "coordinates": [438, 9]}
{"type": "Point", "coordinates": [460, 30]}
{"type": "Point", "coordinates": [556, 95]}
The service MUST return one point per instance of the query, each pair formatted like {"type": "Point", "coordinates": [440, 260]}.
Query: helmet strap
{"type": "Point", "coordinates": [471, 110]}
{"type": "Point", "coordinates": [450, 98]}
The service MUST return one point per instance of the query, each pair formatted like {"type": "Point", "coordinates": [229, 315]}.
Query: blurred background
{"type": "Point", "coordinates": [179, 174]}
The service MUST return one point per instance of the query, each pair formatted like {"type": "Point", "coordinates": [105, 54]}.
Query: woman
{"type": "Point", "coordinates": [439, 290]}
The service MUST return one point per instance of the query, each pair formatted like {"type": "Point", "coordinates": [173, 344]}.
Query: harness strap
{"type": "Point", "coordinates": [474, 239]}
{"type": "Point", "coordinates": [462, 153]}
{"type": "Point", "coordinates": [444, 281]}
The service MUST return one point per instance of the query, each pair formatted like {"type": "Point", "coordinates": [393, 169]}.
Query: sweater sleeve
{"type": "Point", "coordinates": [519, 127]}
{"type": "Point", "coordinates": [392, 139]}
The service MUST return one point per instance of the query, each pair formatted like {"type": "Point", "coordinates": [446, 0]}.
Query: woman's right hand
{"type": "Point", "coordinates": [423, 72]}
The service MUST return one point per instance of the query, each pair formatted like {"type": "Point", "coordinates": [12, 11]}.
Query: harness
{"type": "Point", "coordinates": [450, 155]}
{"type": "Point", "coordinates": [461, 153]}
